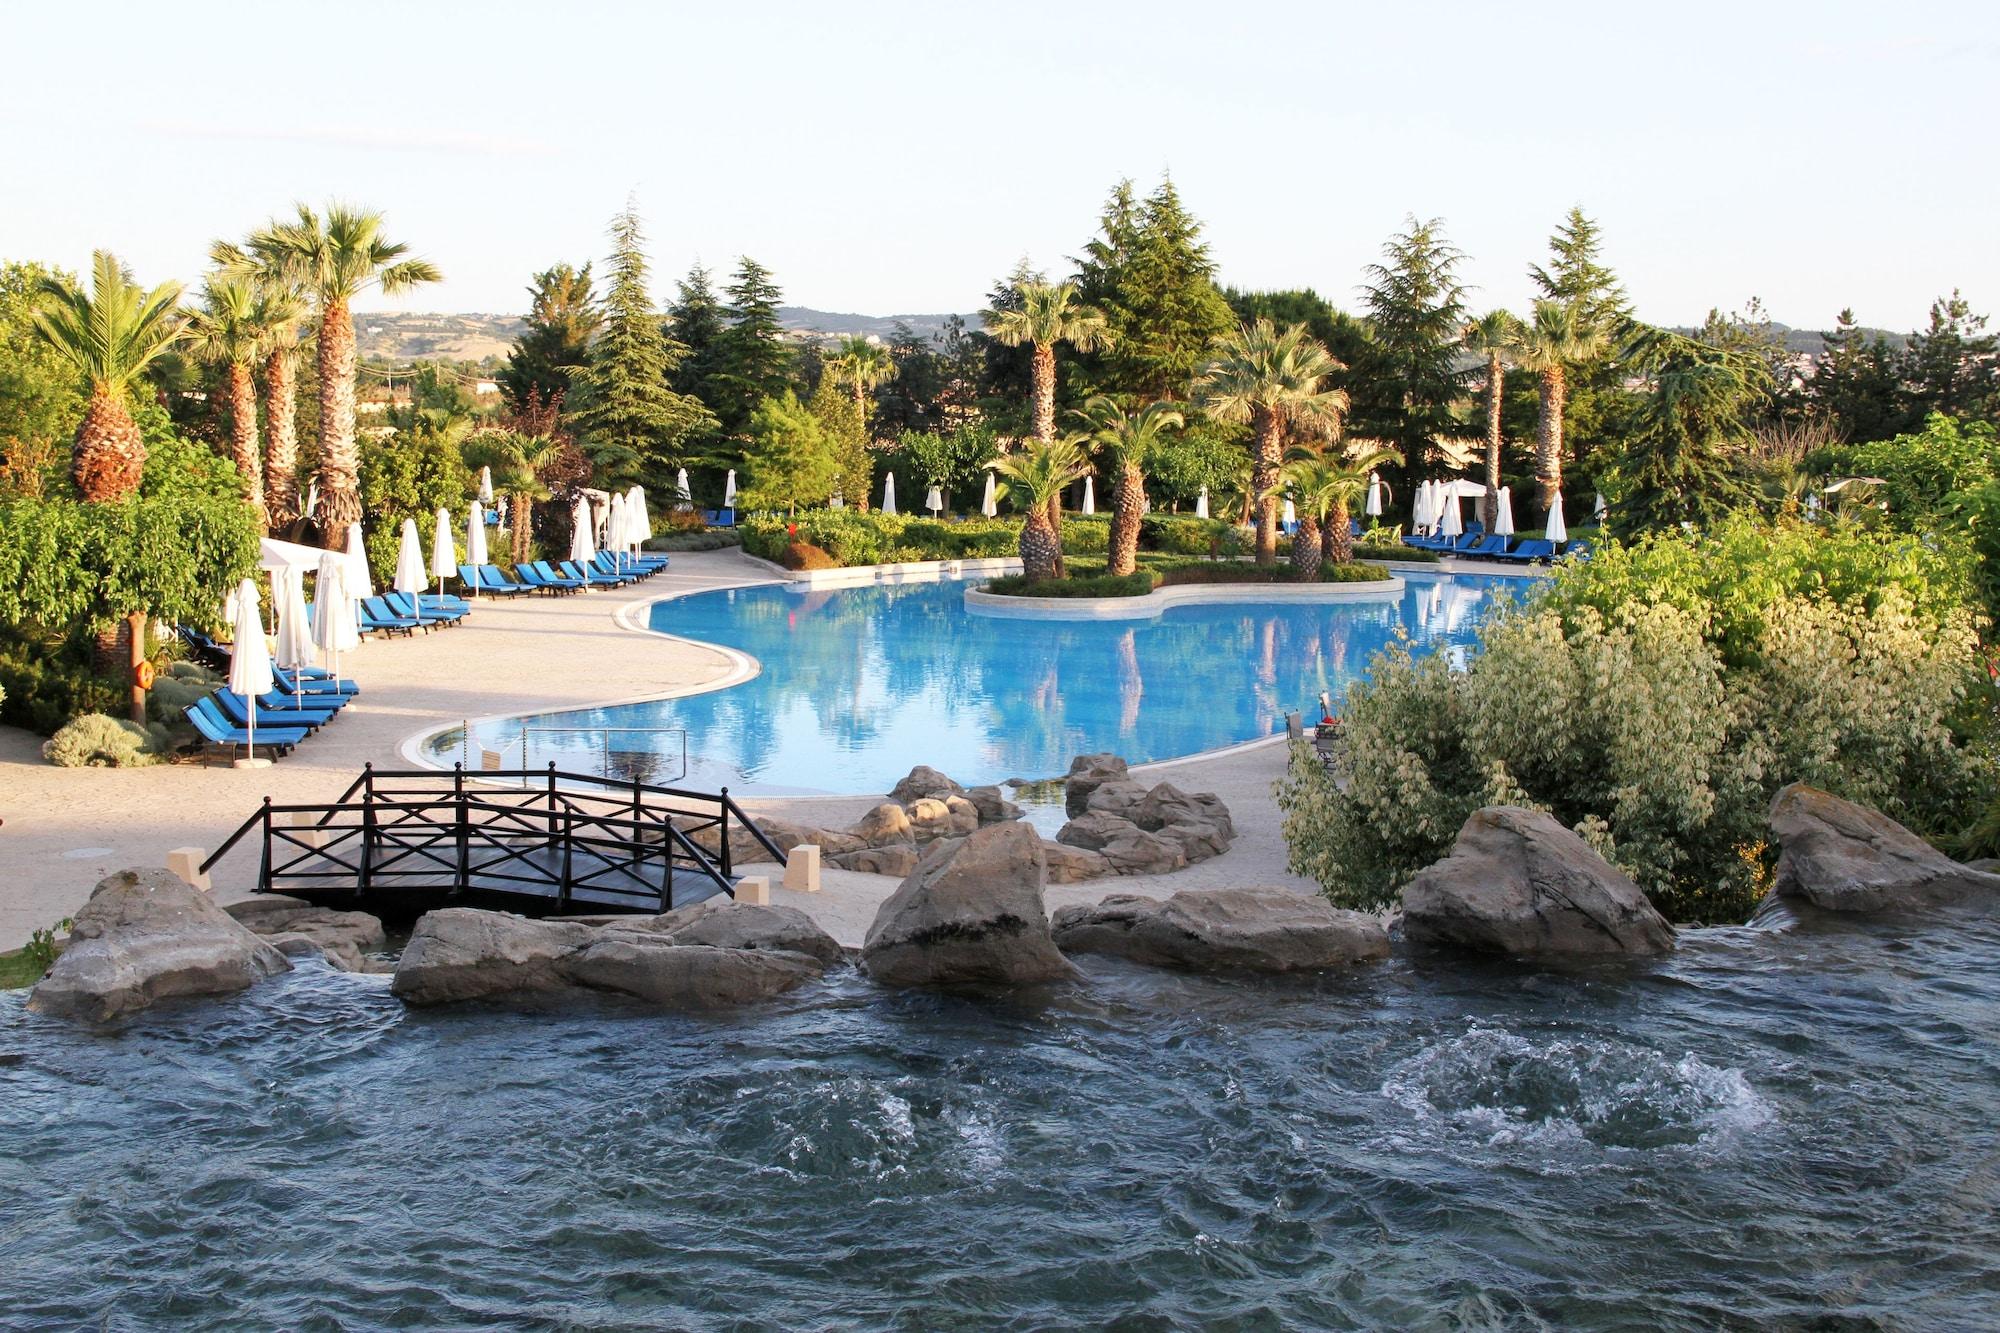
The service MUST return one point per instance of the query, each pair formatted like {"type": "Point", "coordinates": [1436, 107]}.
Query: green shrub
{"type": "Point", "coordinates": [44, 682]}
{"type": "Point", "coordinates": [1088, 579]}
{"type": "Point", "coordinates": [695, 540]}
{"type": "Point", "coordinates": [1135, 584]}
{"type": "Point", "coordinates": [1083, 534]}
{"type": "Point", "coordinates": [1184, 534]}
{"type": "Point", "coordinates": [1359, 571]}
{"type": "Point", "coordinates": [1409, 553]}
{"type": "Point", "coordinates": [804, 555]}
{"type": "Point", "coordinates": [96, 741]}
{"type": "Point", "coordinates": [183, 684]}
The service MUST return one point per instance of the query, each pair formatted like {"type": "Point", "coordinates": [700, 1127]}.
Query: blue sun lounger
{"type": "Point", "coordinates": [375, 614]}
{"type": "Point", "coordinates": [429, 608]}
{"type": "Point", "coordinates": [548, 574]}
{"type": "Point", "coordinates": [486, 579]}
{"type": "Point", "coordinates": [312, 681]}
{"type": "Point", "coordinates": [573, 570]}
{"type": "Point", "coordinates": [233, 707]}
{"type": "Point", "coordinates": [216, 729]}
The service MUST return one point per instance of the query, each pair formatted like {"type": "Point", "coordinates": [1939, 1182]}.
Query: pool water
{"type": "Point", "coordinates": [858, 685]}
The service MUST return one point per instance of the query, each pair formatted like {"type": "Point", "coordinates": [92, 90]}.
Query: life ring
{"type": "Point", "coordinates": [143, 673]}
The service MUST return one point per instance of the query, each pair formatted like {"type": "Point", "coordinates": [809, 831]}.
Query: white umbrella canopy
{"type": "Point", "coordinates": [1201, 504]}
{"type": "Point", "coordinates": [1503, 520]}
{"type": "Point", "coordinates": [358, 582]}
{"type": "Point", "coordinates": [681, 487]}
{"type": "Point", "coordinates": [582, 537]}
{"type": "Point", "coordinates": [933, 500]}
{"type": "Point", "coordinates": [1373, 508]}
{"type": "Point", "coordinates": [1090, 495]}
{"type": "Point", "coordinates": [728, 490]}
{"type": "Point", "coordinates": [295, 645]}
{"type": "Point", "coordinates": [990, 506]}
{"type": "Point", "coordinates": [486, 485]}
{"type": "Point", "coordinates": [1556, 530]}
{"type": "Point", "coordinates": [1454, 522]}
{"type": "Point", "coordinates": [889, 495]}
{"type": "Point", "coordinates": [410, 577]}
{"type": "Point", "coordinates": [333, 628]}
{"type": "Point", "coordinates": [475, 543]}
{"type": "Point", "coordinates": [249, 657]}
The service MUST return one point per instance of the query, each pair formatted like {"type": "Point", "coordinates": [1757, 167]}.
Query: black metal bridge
{"type": "Point", "coordinates": [538, 842]}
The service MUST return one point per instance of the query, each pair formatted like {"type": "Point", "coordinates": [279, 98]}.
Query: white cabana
{"type": "Point", "coordinates": [486, 485]}
{"type": "Point", "coordinates": [288, 592]}
{"type": "Point", "coordinates": [991, 504]}
{"type": "Point", "coordinates": [1090, 495]}
{"type": "Point", "coordinates": [1201, 504]}
{"type": "Point", "coordinates": [410, 576]}
{"type": "Point", "coordinates": [681, 488]}
{"type": "Point", "coordinates": [358, 582]}
{"type": "Point", "coordinates": [1373, 507]}
{"type": "Point", "coordinates": [583, 533]}
{"type": "Point", "coordinates": [1556, 530]}
{"type": "Point", "coordinates": [249, 663]}
{"type": "Point", "coordinates": [889, 494]}
{"type": "Point", "coordinates": [1503, 521]}
{"type": "Point", "coordinates": [274, 555]}
{"type": "Point", "coordinates": [444, 550]}
{"type": "Point", "coordinates": [933, 500]}
{"type": "Point", "coordinates": [728, 490]}
{"type": "Point", "coordinates": [333, 623]}
{"type": "Point", "coordinates": [475, 544]}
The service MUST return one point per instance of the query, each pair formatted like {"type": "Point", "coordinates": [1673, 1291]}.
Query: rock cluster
{"type": "Point", "coordinates": [1844, 857]}
{"type": "Point", "coordinates": [1140, 830]}
{"type": "Point", "coordinates": [708, 956]}
{"type": "Point", "coordinates": [1517, 882]}
{"type": "Point", "coordinates": [145, 936]}
{"type": "Point", "coordinates": [298, 929]}
{"type": "Point", "coordinates": [1207, 930]}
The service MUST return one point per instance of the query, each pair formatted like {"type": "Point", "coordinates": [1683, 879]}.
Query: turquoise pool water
{"type": "Point", "coordinates": [859, 684]}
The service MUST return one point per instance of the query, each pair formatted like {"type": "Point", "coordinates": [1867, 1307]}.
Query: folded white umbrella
{"type": "Point", "coordinates": [475, 544]}
{"type": "Point", "coordinates": [990, 505]}
{"type": "Point", "coordinates": [1556, 530]}
{"type": "Point", "coordinates": [729, 490]}
{"type": "Point", "coordinates": [1503, 521]}
{"type": "Point", "coordinates": [288, 591]}
{"type": "Point", "coordinates": [932, 500]}
{"type": "Point", "coordinates": [889, 495]}
{"type": "Point", "coordinates": [359, 582]}
{"type": "Point", "coordinates": [1090, 495]}
{"type": "Point", "coordinates": [836, 502]}
{"type": "Point", "coordinates": [1420, 508]}
{"type": "Point", "coordinates": [617, 530]}
{"type": "Point", "coordinates": [582, 539]}
{"type": "Point", "coordinates": [1373, 508]}
{"type": "Point", "coordinates": [486, 485]}
{"type": "Point", "coordinates": [249, 661]}
{"type": "Point", "coordinates": [642, 520]}
{"type": "Point", "coordinates": [681, 487]}
{"type": "Point", "coordinates": [1601, 510]}
{"type": "Point", "coordinates": [410, 577]}
{"type": "Point", "coordinates": [1454, 522]}
{"type": "Point", "coordinates": [444, 550]}
{"type": "Point", "coordinates": [334, 628]}
{"type": "Point", "coordinates": [1288, 515]}
{"type": "Point", "coordinates": [1201, 504]}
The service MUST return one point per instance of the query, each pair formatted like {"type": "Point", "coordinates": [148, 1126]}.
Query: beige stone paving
{"type": "Point", "coordinates": [64, 829]}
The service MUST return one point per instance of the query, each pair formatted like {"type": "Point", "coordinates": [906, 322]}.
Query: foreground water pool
{"type": "Point", "coordinates": [860, 684]}
{"type": "Point", "coordinates": [1769, 1130]}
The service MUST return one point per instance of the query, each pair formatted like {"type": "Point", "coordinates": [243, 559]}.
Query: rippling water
{"type": "Point", "coordinates": [1773, 1129]}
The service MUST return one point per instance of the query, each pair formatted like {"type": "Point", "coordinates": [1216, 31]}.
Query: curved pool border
{"type": "Point", "coordinates": [1149, 605]}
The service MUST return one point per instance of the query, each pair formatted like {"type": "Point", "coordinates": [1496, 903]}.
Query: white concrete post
{"type": "Point", "coordinates": [754, 890]}
{"type": "Point", "coordinates": [186, 863]}
{"type": "Point", "coordinates": [802, 868]}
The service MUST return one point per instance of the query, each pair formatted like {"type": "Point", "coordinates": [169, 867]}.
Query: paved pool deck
{"type": "Point", "coordinates": [65, 829]}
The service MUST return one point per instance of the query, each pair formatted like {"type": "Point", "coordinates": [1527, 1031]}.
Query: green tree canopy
{"type": "Point", "coordinates": [791, 462]}
{"type": "Point", "coordinates": [1411, 377]}
{"type": "Point", "coordinates": [1150, 272]}
{"type": "Point", "coordinates": [562, 318]}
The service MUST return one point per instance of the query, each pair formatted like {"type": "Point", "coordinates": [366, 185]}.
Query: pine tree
{"type": "Point", "coordinates": [695, 321]}
{"type": "Point", "coordinates": [1681, 465]}
{"type": "Point", "coordinates": [628, 418]}
{"type": "Point", "coordinates": [1953, 366]}
{"type": "Point", "coordinates": [791, 460]}
{"type": "Point", "coordinates": [1576, 276]}
{"type": "Point", "coordinates": [755, 359]}
{"type": "Point", "coordinates": [561, 320]}
{"type": "Point", "coordinates": [1856, 382]}
{"type": "Point", "coordinates": [1410, 375]}
{"type": "Point", "coordinates": [1150, 272]}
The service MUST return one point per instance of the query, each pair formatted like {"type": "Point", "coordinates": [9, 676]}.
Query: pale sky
{"type": "Point", "coordinates": [897, 158]}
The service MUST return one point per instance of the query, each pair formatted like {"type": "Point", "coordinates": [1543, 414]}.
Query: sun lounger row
{"type": "Point", "coordinates": [605, 571]}
{"type": "Point", "coordinates": [1481, 546]}
{"type": "Point", "coordinates": [299, 704]}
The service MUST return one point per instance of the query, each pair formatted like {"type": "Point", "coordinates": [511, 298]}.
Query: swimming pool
{"type": "Point", "coordinates": [860, 684]}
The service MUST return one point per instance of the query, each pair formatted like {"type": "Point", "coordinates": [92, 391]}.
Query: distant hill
{"type": "Point", "coordinates": [803, 319]}
{"type": "Point", "coordinates": [1812, 342]}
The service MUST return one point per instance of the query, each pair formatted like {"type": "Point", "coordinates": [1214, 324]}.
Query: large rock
{"type": "Point", "coordinates": [922, 781]}
{"type": "Point", "coordinates": [1088, 772]}
{"type": "Point", "coordinates": [885, 824]}
{"type": "Point", "coordinates": [723, 923]}
{"type": "Point", "coordinates": [1127, 848]}
{"type": "Point", "coordinates": [1166, 805]}
{"type": "Point", "coordinates": [1847, 858]}
{"type": "Point", "coordinates": [1517, 882]}
{"type": "Point", "coordinates": [463, 953]}
{"type": "Point", "coordinates": [297, 928]}
{"type": "Point", "coordinates": [1249, 929]}
{"type": "Point", "coordinates": [897, 858]}
{"type": "Point", "coordinates": [934, 817]}
{"type": "Point", "coordinates": [1073, 865]}
{"type": "Point", "coordinates": [145, 936]}
{"type": "Point", "coordinates": [992, 805]}
{"type": "Point", "coordinates": [1119, 797]}
{"type": "Point", "coordinates": [971, 912]}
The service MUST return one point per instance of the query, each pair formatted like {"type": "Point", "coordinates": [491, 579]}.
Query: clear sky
{"type": "Point", "coordinates": [897, 158]}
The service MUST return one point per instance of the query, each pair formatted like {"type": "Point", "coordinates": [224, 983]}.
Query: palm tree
{"type": "Point", "coordinates": [334, 258]}
{"type": "Point", "coordinates": [1345, 487]}
{"type": "Point", "coordinates": [280, 314]}
{"type": "Point", "coordinates": [862, 365]}
{"type": "Point", "coordinates": [516, 458]}
{"type": "Point", "coordinates": [1041, 471]}
{"type": "Point", "coordinates": [1049, 314]}
{"type": "Point", "coordinates": [1276, 382]}
{"type": "Point", "coordinates": [107, 335]}
{"type": "Point", "coordinates": [1558, 336]}
{"type": "Point", "coordinates": [1133, 439]}
{"type": "Point", "coordinates": [1494, 336]}
{"type": "Point", "coordinates": [224, 330]}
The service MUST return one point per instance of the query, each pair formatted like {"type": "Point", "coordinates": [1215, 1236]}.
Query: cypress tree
{"type": "Point", "coordinates": [628, 419]}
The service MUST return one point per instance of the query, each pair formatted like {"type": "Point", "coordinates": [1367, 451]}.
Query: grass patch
{"type": "Point", "coordinates": [20, 969]}
{"type": "Point", "coordinates": [694, 541]}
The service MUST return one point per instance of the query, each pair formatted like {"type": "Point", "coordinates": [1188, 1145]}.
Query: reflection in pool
{"type": "Point", "coordinates": [860, 684]}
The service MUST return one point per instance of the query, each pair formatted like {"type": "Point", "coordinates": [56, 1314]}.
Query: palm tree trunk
{"type": "Point", "coordinates": [1263, 475]}
{"type": "Point", "coordinates": [519, 515]}
{"type": "Point", "coordinates": [1040, 548]}
{"type": "Point", "coordinates": [110, 455]}
{"type": "Point", "coordinates": [281, 440]}
{"type": "Point", "coordinates": [1495, 375]}
{"type": "Point", "coordinates": [135, 630]}
{"type": "Point", "coordinates": [339, 462]}
{"type": "Point", "coordinates": [1045, 393]}
{"type": "Point", "coordinates": [1055, 529]}
{"type": "Point", "coordinates": [1306, 548]}
{"type": "Point", "coordinates": [1338, 541]}
{"type": "Point", "coordinates": [242, 390]}
{"type": "Point", "coordinates": [1549, 436]}
{"type": "Point", "coordinates": [1126, 502]}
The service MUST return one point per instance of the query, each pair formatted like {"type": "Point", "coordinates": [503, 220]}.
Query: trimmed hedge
{"type": "Point", "coordinates": [1087, 579]}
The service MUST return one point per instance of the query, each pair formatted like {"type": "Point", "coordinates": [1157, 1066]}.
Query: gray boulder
{"type": "Point", "coordinates": [466, 953]}
{"type": "Point", "coordinates": [1845, 857]}
{"type": "Point", "coordinates": [145, 936]}
{"type": "Point", "coordinates": [992, 805]}
{"type": "Point", "coordinates": [1166, 805]}
{"type": "Point", "coordinates": [1127, 848]}
{"type": "Point", "coordinates": [1119, 797]}
{"type": "Point", "coordinates": [299, 929]}
{"type": "Point", "coordinates": [1088, 772]}
{"type": "Point", "coordinates": [971, 912]}
{"type": "Point", "coordinates": [686, 976]}
{"type": "Point", "coordinates": [1250, 929]}
{"type": "Point", "coordinates": [922, 781]}
{"type": "Point", "coordinates": [1073, 865]}
{"type": "Point", "coordinates": [897, 858]}
{"type": "Point", "coordinates": [1517, 882]}
{"type": "Point", "coordinates": [723, 923]}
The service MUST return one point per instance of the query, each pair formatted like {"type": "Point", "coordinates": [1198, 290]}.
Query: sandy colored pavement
{"type": "Point", "coordinates": [65, 829]}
